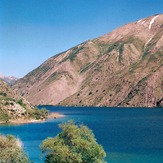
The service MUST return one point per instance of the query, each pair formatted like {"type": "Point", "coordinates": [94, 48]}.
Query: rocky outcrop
{"type": "Point", "coordinates": [121, 68]}
{"type": "Point", "coordinates": [14, 107]}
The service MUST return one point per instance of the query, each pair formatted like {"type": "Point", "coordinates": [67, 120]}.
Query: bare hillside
{"type": "Point", "coordinates": [121, 68]}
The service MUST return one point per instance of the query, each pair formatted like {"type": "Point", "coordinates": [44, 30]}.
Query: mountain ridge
{"type": "Point", "coordinates": [115, 69]}
{"type": "Point", "coordinates": [8, 79]}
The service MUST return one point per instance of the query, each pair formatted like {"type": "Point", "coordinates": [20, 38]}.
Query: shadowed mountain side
{"type": "Point", "coordinates": [121, 68]}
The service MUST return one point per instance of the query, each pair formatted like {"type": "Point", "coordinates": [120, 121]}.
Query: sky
{"type": "Point", "coordinates": [31, 31]}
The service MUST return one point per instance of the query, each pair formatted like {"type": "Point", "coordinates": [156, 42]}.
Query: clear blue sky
{"type": "Point", "coordinates": [31, 31]}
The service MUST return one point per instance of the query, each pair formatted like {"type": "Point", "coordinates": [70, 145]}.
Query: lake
{"type": "Point", "coordinates": [127, 135]}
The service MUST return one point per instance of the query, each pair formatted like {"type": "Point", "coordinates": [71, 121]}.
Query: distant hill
{"type": "Point", "coordinates": [8, 79]}
{"type": "Point", "coordinates": [14, 108]}
{"type": "Point", "coordinates": [121, 68]}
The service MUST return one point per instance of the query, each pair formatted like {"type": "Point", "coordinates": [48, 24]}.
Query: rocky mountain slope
{"type": "Point", "coordinates": [14, 108]}
{"type": "Point", "coordinates": [121, 68]}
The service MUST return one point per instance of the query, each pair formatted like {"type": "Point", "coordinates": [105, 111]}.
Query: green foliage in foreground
{"type": "Point", "coordinates": [11, 150]}
{"type": "Point", "coordinates": [75, 144]}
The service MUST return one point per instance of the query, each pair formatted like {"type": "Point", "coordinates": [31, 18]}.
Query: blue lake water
{"type": "Point", "coordinates": [127, 135]}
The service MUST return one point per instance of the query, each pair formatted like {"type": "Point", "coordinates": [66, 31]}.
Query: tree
{"type": "Point", "coordinates": [11, 150]}
{"type": "Point", "coordinates": [75, 144]}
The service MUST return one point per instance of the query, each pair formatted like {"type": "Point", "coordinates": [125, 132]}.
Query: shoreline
{"type": "Point", "coordinates": [107, 107]}
{"type": "Point", "coordinates": [53, 115]}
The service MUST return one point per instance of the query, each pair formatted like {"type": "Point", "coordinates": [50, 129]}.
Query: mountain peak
{"type": "Point", "coordinates": [8, 79]}
{"type": "Point", "coordinates": [152, 22]}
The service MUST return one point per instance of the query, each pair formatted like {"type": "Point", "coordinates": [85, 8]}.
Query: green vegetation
{"type": "Point", "coordinates": [146, 53]}
{"type": "Point", "coordinates": [74, 53]}
{"type": "Point", "coordinates": [86, 67]}
{"type": "Point", "coordinates": [111, 47]}
{"type": "Point", "coordinates": [75, 144]}
{"type": "Point", "coordinates": [9, 111]}
{"type": "Point", "coordinates": [3, 94]}
{"type": "Point", "coordinates": [136, 89]}
{"type": "Point", "coordinates": [119, 45]}
{"type": "Point", "coordinates": [38, 114]}
{"type": "Point", "coordinates": [20, 102]}
{"type": "Point", "coordinates": [4, 117]}
{"type": "Point", "coordinates": [117, 88]}
{"type": "Point", "coordinates": [53, 77]}
{"type": "Point", "coordinates": [38, 71]}
{"type": "Point", "coordinates": [11, 150]}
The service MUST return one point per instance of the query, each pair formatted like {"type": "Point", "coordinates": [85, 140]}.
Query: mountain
{"type": "Point", "coordinates": [121, 68]}
{"type": "Point", "coordinates": [14, 108]}
{"type": "Point", "coordinates": [8, 79]}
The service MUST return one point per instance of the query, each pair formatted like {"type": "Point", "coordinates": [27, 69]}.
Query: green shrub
{"type": "Point", "coordinates": [11, 150]}
{"type": "Point", "coordinates": [20, 102]}
{"type": "Point", "coordinates": [75, 144]}
{"type": "Point", "coordinates": [38, 113]}
{"type": "Point", "coordinates": [4, 117]}
{"type": "Point", "coordinates": [3, 94]}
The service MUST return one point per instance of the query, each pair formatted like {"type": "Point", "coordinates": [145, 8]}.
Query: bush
{"type": "Point", "coordinates": [20, 102]}
{"type": "Point", "coordinates": [38, 113]}
{"type": "Point", "coordinates": [3, 94]}
{"type": "Point", "coordinates": [4, 117]}
{"type": "Point", "coordinates": [75, 144]}
{"type": "Point", "coordinates": [11, 150]}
